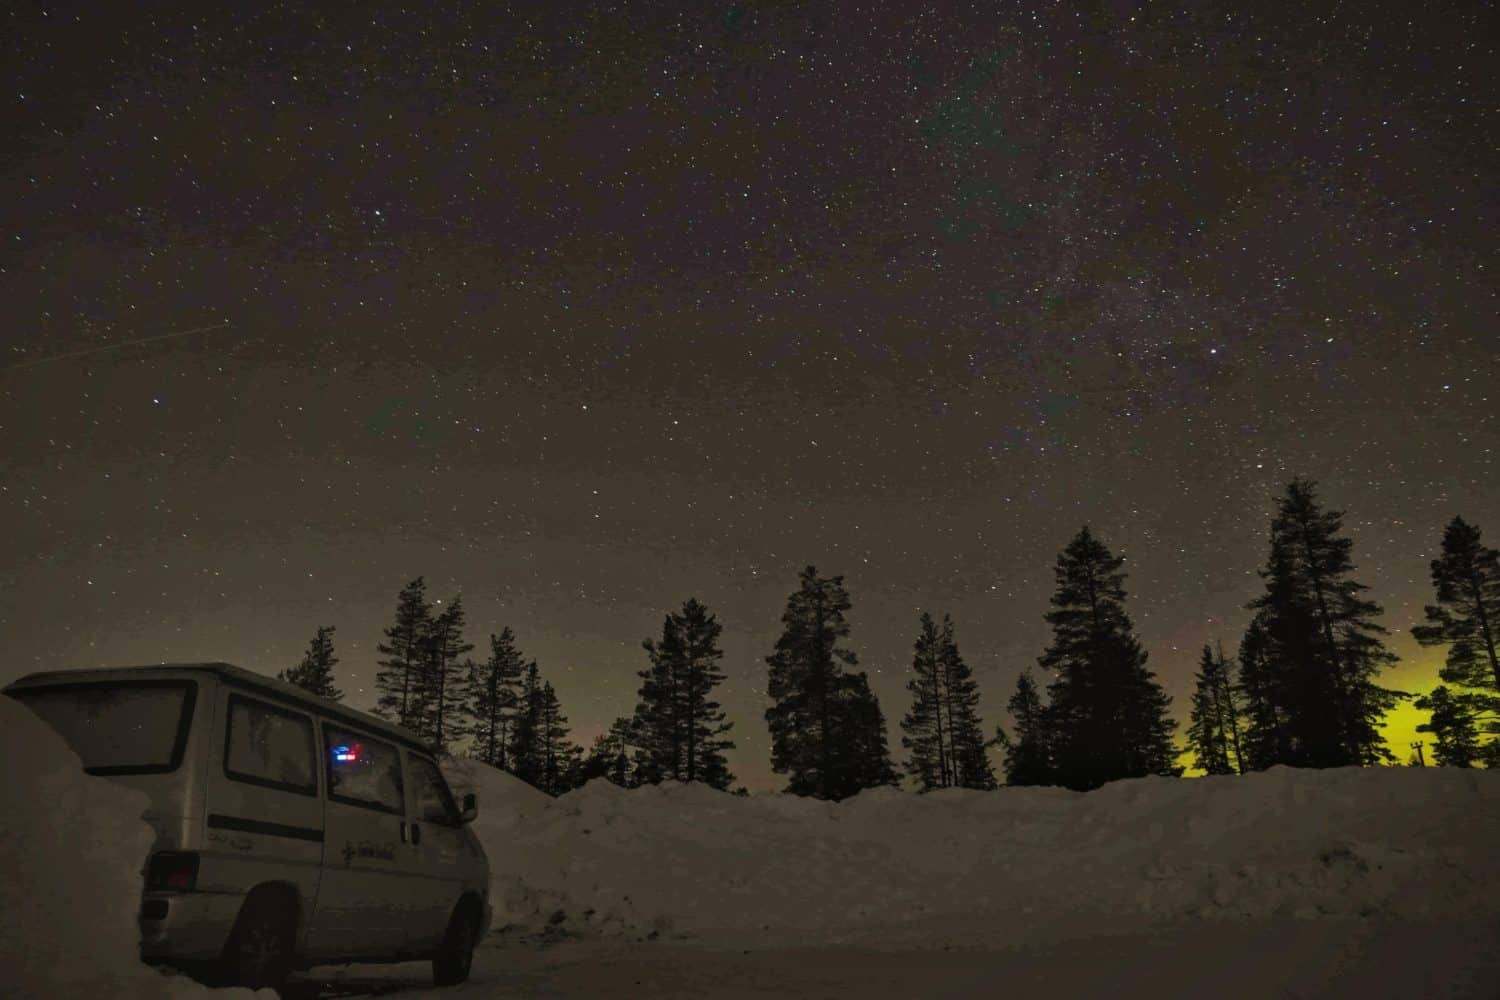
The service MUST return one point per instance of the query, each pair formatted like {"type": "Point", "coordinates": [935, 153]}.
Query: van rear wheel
{"type": "Point", "coordinates": [259, 951]}
{"type": "Point", "coordinates": [450, 966]}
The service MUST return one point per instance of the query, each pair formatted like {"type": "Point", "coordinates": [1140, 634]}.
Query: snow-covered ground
{"type": "Point", "coordinates": [1356, 882]}
{"type": "Point", "coordinates": [1334, 958]}
{"type": "Point", "coordinates": [673, 859]}
{"type": "Point", "coordinates": [1380, 882]}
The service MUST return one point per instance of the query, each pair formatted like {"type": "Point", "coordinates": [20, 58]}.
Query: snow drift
{"type": "Point", "coordinates": [1404, 844]}
{"type": "Point", "coordinates": [71, 850]}
{"type": "Point", "coordinates": [1400, 843]}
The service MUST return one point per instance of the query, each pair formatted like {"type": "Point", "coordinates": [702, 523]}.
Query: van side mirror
{"type": "Point", "coordinates": [470, 809]}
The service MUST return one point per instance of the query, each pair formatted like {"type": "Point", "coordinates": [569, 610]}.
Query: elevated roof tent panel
{"type": "Point", "coordinates": [230, 672]}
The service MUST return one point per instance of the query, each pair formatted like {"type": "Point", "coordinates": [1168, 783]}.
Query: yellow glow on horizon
{"type": "Point", "coordinates": [1417, 674]}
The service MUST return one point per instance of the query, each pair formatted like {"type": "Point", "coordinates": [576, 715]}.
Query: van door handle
{"type": "Point", "coordinates": [416, 834]}
{"type": "Point", "coordinates": [403, 831]}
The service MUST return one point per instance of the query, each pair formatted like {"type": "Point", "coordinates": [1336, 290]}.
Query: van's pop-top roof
{"type": "Point", "coordinates": [229, 672]}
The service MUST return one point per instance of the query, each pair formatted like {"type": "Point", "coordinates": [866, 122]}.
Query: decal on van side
{"type": "Point", "coordinates": [238, 843]}
{"type": "Point", "coordinates": [367, 849]}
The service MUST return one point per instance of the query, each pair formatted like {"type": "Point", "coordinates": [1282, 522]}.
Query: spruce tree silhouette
{"type": "Point", "coordinates": [1108, 718]}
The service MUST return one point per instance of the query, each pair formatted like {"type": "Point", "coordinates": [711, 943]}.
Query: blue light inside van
{"type": "Point", "coordinates": [346, 753]}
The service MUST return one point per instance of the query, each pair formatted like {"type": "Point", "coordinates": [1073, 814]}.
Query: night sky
{"type": "Point", "coordinates": [582, 310]}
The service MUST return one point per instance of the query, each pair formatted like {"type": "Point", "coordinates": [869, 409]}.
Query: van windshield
{"type": "Point", "coordinates": [123, 727]}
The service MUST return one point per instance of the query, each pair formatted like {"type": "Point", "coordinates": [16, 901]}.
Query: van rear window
{"type": "Point", "coordinates": [119, 727]}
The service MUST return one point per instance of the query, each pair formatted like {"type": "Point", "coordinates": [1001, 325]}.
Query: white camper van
{"type": "Point", "coordinates": [290, 830]}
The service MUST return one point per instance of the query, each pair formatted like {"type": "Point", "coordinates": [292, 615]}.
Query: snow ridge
{"type": "Point", "coordinates": [686, 859]}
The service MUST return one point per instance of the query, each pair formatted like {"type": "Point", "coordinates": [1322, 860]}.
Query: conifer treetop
{"type": "Point", "coordinates": [1466, 617]}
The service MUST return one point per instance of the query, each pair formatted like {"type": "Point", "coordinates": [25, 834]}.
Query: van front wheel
{"type": "Point", "coordinates": [450, 966]}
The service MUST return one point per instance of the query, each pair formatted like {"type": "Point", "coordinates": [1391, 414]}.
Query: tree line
{"type": "Point", "coordinates": [1301, 689]}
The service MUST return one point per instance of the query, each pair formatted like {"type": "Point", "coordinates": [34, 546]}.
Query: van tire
{"type": "Point", "coordinates": [258, 953]}
{"type": "Point", "coordinates": [450, 966]}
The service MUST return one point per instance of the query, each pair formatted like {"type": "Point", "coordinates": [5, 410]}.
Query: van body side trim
{"type": "Point", "coordinates": [220, 822]}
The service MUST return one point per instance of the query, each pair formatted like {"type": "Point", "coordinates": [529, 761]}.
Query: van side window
{"type": "Point", "coordinates": [430, 792]}
{"type": "Point", "coordinates": [362, 771]}
{"type": "Point", "coordinates": [268, 745]}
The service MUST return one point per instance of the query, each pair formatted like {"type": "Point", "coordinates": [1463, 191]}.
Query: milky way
{"type": "Point", "coordinates": [582, 312]}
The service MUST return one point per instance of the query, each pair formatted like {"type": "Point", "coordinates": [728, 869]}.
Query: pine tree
{"type": "Point", "coordinates": [610, 756]}
{"type": "Point", "coordinates": [1203, 738]}
{"type": "Point", "coordinates": [315, 672]}
{"type": "Point", "coordinates": [942, 729]}
{"type": "Point", "coordinates": [1323, 645]}
{"type": "Point", "coordinates": [922, 727]}
{"type": "Point", "coordinates": [1266, 737]}
{"type": "Point", "coordinates": [678, 723]}
{"type": "Point", "coordinates": [1213, 733]}
{"type": "Point", "coordinates": [1454, 725]}
{"type": "Point", "coordinates": [1489, 754]}
{"type": "Point", "coordinates": [627, 741]}
{"type": "Point", "coordinates": [713, 768]}
{"type": "Point", "coordinates": [1467, 619]}
{"type": "Point", "coordinates": [527, 755]}
{"type": "Point", "coordinates": [1027, 754]}
{"type": "Point", "coordinates": [491, 693]}
{"type": "Point", "coordinates": [558, 756]}
{"type": "Point", "coordinates": [442, 676]}
{"type": "Point", "coordinates": [971, 765]}
{"type": "Point", "coordinates": [541, 753]}
{"type": "Point", "coordinates": [860, 758]}
{"type": "Point", "coordinates": [1231, 718]}
{"type": "Point", "coordinates": [658, 720]}
{"type": "Point", "coordinates": [399, 681]}
{"type": "Point", "coordinates": [604, 760]}
{"type": "Point", "coordinates": [1109, 718]}
{"type": "Point", "coordinates": [821, 719]}
{"type": "Point", "coordinates": [703, 725]}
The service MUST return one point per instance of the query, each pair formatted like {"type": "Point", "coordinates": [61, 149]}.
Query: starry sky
{"type": "Point", "coordinates": [580, 310]}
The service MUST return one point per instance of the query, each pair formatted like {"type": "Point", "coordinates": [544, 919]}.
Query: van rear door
{"type": "Point", "coordinates": [119, 727]}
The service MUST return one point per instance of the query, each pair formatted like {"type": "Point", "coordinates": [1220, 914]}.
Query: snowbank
{"type": "Point", "coordinates": [71, 851]}
{"type": "Point", "coordinates": [508, 807]}
{"type": "Point", "coordinates": [1412, 843]}
{"type": "Point", "coordinates": [505, 799]}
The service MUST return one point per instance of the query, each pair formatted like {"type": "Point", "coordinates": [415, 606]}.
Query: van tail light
{"type": "Point", "coordinates": [172, 870]}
